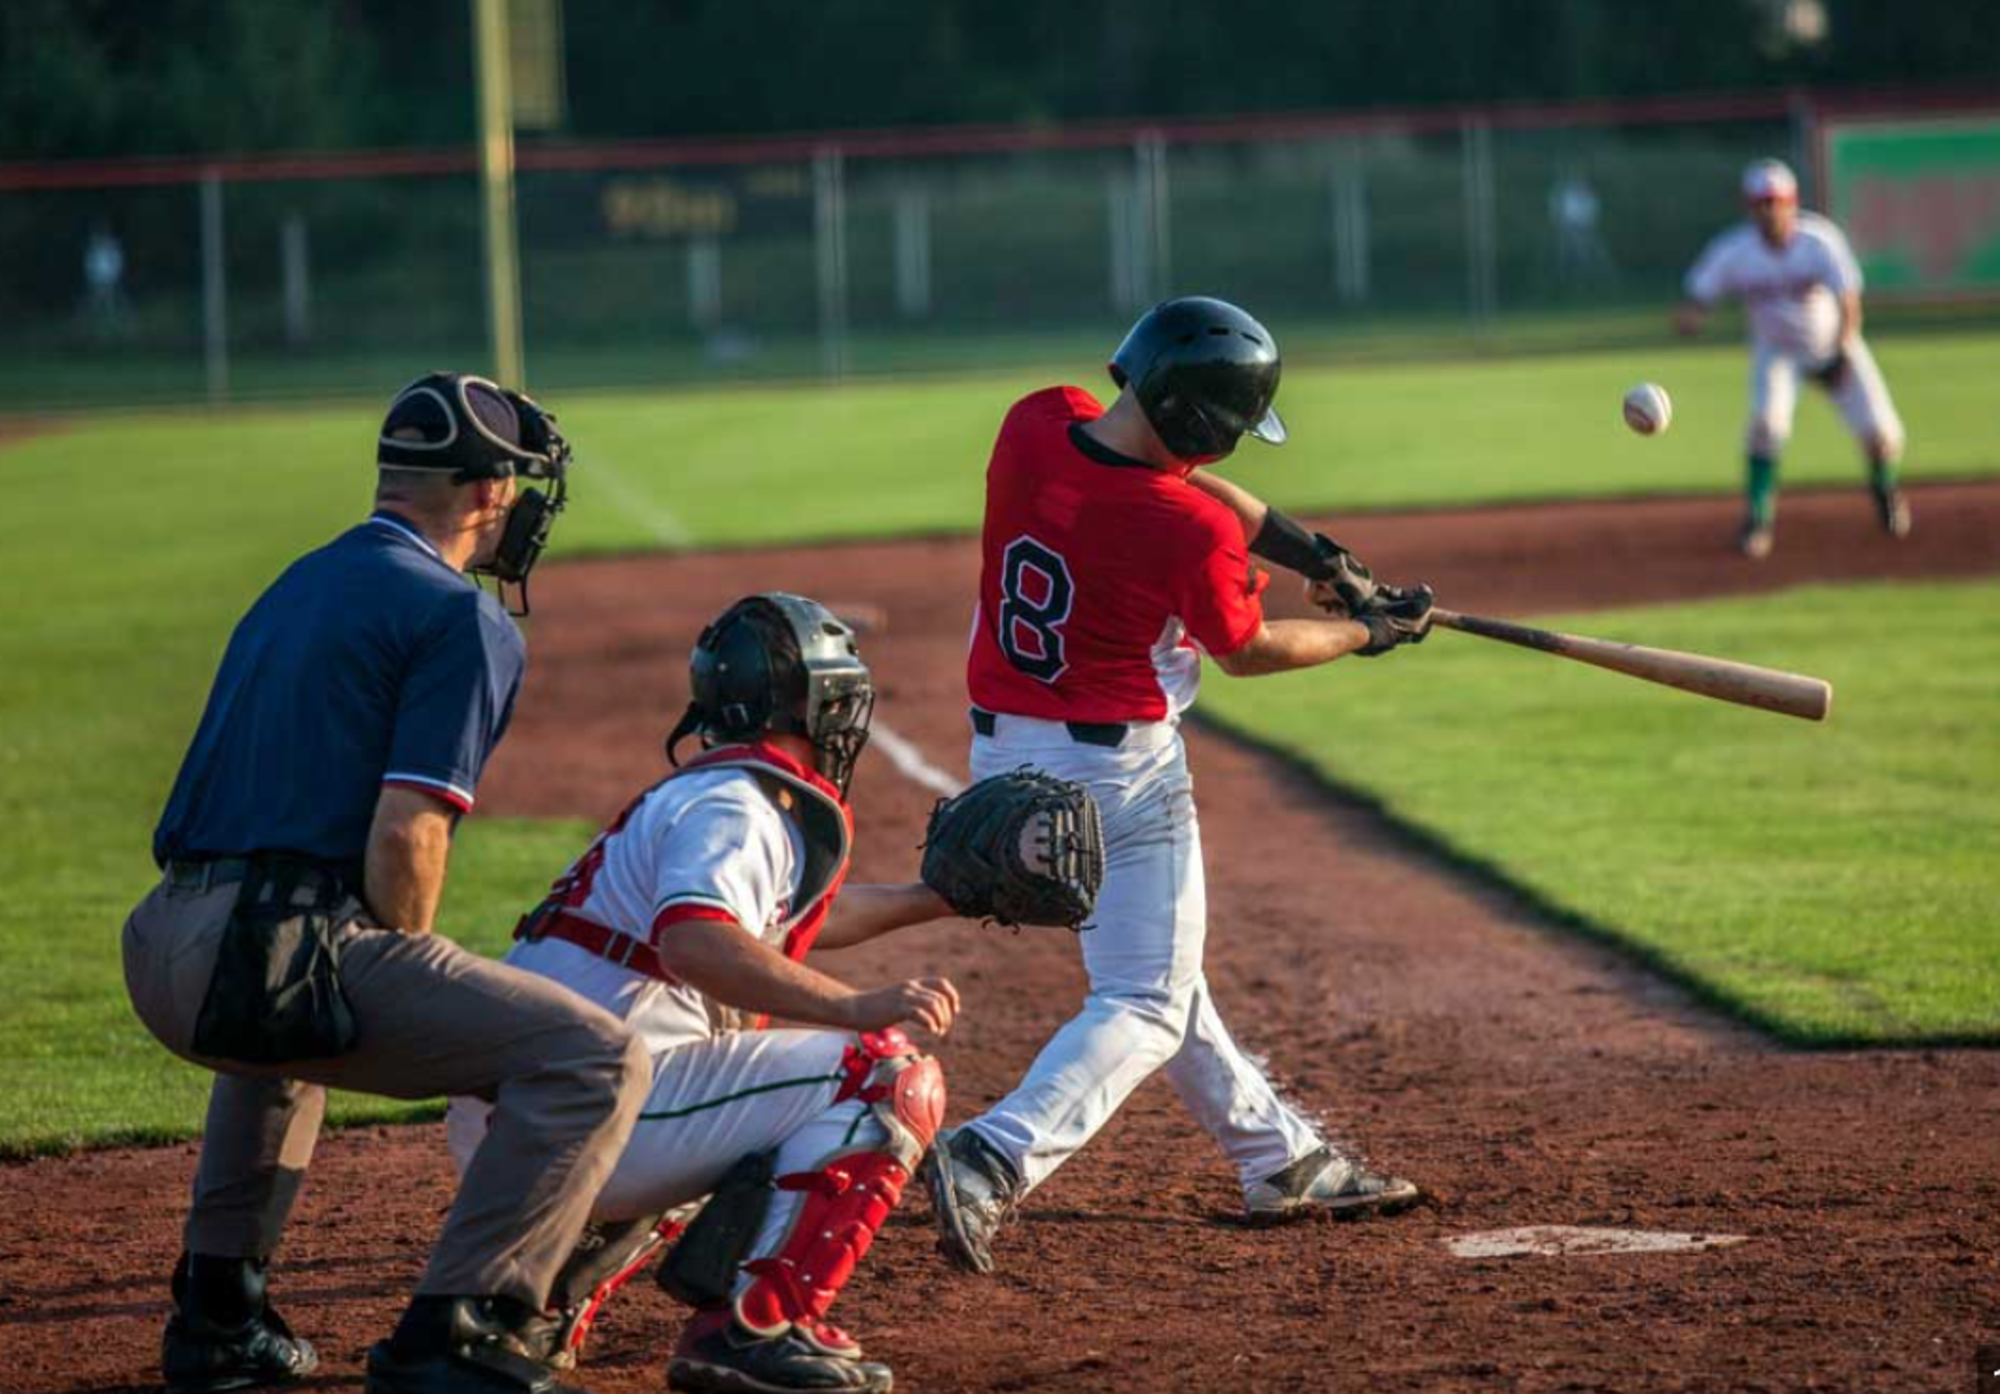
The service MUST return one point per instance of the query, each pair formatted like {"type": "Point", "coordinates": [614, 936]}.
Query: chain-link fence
{"type": "Point", "coordinates": [677, 264]}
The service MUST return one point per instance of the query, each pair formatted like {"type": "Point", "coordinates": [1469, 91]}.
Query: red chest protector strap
{"type": "Point", "coordinates": [550, 922]}
{"type": "Point", "coordinates": [826, 828]}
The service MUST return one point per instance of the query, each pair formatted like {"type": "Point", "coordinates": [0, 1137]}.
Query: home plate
{"type": "Point", "coordinates": [1560, 1241]}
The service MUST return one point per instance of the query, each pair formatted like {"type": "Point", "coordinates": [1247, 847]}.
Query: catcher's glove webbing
{"type": "Point", "coordinates": [1020, 848]}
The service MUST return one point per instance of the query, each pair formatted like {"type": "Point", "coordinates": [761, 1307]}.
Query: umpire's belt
{"type": "Point", "coordinates": [594, 938]}
{"type": "Point", "coordinates": [301, 882]}
{"type": "Point", "coordinates": [1110, 734]}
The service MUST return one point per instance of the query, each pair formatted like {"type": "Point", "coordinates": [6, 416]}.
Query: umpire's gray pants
{"type": "Point", "coordinates": [564, 1076]}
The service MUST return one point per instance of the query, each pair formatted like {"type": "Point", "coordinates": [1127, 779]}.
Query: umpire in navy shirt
{"type": "Point", "coordinates": [288, 946]}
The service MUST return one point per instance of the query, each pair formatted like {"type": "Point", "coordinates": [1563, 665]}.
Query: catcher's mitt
{"type": "Point", "coordinates": [1020, 848]}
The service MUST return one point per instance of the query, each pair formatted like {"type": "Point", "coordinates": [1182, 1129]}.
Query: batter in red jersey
{"type": "Point", "coordinates": [1111, 564]}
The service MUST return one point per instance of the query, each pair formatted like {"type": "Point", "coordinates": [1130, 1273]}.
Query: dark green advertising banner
{"type": "Point", "coordinates": [1920, 201]}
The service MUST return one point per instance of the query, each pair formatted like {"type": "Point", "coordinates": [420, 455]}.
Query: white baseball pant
{"type": "Point", "coordinates": [713, 1103]}
{"type": "Point", "coordinates": [1862, 400]}
{"type": "Point", "coordinates": [1149, 1004]}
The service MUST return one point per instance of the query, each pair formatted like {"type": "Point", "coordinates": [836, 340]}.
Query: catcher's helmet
{"type": "Point", "coordinates": [1204, 373]}
{"type": "Point", "coordinates": [784, 664]}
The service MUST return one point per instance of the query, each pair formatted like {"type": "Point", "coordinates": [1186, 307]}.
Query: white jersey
{"type": "Point", "coordinates": [1791, 292]}
{"type": "Point", "coordinates": [704, 844]}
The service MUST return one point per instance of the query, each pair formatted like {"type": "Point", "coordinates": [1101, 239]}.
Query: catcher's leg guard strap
{"type": "Point", "coordinates": [847, 1199]}
{"type": "Point", "coordinates": [605, 1259]}
{"type": "Point", "coordinates": [701, 1270]}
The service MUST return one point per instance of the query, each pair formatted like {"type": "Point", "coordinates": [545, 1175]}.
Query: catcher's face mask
{"type": "Point", "coordinates": [475, 429]}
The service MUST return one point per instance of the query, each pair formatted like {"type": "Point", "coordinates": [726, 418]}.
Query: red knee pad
{"type": "Point", "coordinates": [904, 1089]}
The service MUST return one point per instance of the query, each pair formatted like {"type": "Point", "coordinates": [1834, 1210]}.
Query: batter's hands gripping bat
{"type": "Point", "coordinates": [1793, 694]}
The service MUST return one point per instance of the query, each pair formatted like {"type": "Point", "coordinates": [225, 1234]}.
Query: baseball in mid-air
{"type": "Point", "coordinates": [1648, 409]}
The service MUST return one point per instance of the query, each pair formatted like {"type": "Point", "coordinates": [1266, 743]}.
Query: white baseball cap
{"type": "Point", "coordinates": [1770, 179]}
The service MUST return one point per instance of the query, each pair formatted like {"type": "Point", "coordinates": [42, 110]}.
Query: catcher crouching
{"type": "Point", "coordinates": [690, 918]}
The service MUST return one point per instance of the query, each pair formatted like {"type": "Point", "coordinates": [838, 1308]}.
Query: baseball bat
{"type": "Point", "coordinates": [1793, 694]}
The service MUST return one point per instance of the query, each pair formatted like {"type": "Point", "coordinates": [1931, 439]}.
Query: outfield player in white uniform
{"type": "Point", "coordinates": [1106, 562]}
{"type": "Point", "coordinates": [691, 913]}
{"type": "Point", "coordinates": [1801, 287]}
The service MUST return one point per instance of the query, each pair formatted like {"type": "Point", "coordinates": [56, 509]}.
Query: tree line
{"type": "Point", "coordinates": [105, 78]}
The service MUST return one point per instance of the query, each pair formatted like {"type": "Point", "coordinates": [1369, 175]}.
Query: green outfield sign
{"type": "Point", "coordinates": [1920, 201]}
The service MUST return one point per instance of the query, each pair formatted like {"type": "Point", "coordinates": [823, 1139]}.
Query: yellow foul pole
{"type": "Point", "coordinates": [496, 182]}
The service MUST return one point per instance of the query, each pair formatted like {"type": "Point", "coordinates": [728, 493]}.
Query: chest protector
{"type": "Point", "coordinates": [826, 831]}
{"type": "Point", "coordinates": [826, 828]}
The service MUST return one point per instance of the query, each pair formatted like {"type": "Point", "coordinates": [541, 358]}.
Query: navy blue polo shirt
{"type": "Point", "coordinates": [368, 662]}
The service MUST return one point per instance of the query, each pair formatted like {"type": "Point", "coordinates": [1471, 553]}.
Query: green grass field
{"type": "Point", "coordinates": [1835, 884]}
{"type": "Point", "coordinates": [137, 540]}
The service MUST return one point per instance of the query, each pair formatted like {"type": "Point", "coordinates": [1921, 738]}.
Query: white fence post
{"type": "Point", "coordinates": [913, 252]}
{"type": "Point", "coordinates": [1350, 229]}
{"type": "Point", "coordinates": [1121, 204]}
{"type": "Point", "coordinates": [704, 271]}
{"type": "Point", "coordinates": [214, 288]}
{"type": "Point", "coordinates": [1155, 210]}
{"type": "Point", "coordinates": [1480, 249]}
{"type": "Point", "coordinates": [294, 260]}
{"type": "Point", "coordinates": [830, 248]}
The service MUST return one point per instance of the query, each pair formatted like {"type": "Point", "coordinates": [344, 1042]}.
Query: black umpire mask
{"type": "Point", "coordinates": [476, 429]}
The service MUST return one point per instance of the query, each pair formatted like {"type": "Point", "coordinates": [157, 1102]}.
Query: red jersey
{"type": "Point", "coordinates": [1100, 574]}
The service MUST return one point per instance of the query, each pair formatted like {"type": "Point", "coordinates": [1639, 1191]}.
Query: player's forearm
{"type": "Point", "coordinates": [1250, 510]}
{"type": "Point", "coordinates": [721, 959]}
{"type": "Point", "coordinates": [1283, 646]}
{"type": "Point", "coordinates": [867, 912]}
{"type": "Point", "coordinates": [409, 846]}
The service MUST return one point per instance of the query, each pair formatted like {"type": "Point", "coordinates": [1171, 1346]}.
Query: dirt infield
{"type": "Point", "coordinates": [1524, 1077]}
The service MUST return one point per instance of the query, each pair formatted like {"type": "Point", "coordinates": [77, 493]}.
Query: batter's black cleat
{"type": "Point", "coordinates": [462, 1345]}
{"type": "Point", "coordinates": [1324, 1183]}
{"type": "Point", "coordinates": [974, 1192]}
{"type": "Point", "coordinates": [717, 1355]}
{"type": "Point", "coordinates": [224, 1333]}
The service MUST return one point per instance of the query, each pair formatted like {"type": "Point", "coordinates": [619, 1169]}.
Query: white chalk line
{"type": "Point", "coordinates": [910, 762]}
{"type": "Point", "coordinates": [649, 513]}
{"type": "Point", "coordinates": [669, 531]}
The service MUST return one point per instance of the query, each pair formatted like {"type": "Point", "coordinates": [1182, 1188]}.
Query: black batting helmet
{"type": "Point", "coordinates": [778, 663]}
{"type": "Point", "coordinates": [1204, 373]}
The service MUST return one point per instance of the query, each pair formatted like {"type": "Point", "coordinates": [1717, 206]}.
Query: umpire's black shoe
{"type": "Point", "coordinates": [224, 1333]}
{"type": "Point", "coordinates": [973, 1193]}
{"type": "Point", "coordinates": [461, 1345]}
{"type": "Point", "coordinates": [716, 1355]}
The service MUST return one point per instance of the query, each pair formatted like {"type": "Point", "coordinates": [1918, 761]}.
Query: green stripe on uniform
{"type": "Point", "coordinates": [739, 1094]}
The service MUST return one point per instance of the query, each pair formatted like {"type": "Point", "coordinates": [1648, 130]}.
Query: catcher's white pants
{"type": "Point", "coordinates": [1149, 1004]}
{"type": "Point", "coordinates": [713, 1103]}
{"type": "Point", "coordinates": [1862, 400]}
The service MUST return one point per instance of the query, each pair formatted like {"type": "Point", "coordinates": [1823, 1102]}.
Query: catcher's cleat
{"type": "Point", "coordinates": [1323, 1183]}
{"type": "Point", "coordinates": [224, 1334]}
{"type": "Point", "coordinates": [1893, 511]}
{"type": "Point", "coordinates": [1755, 540]}
{"type": "Point", "coordinates": [973, 1193]}
{"type": "Point", "coordinates": [716, 1353]}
